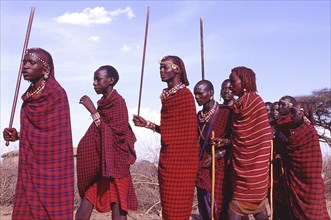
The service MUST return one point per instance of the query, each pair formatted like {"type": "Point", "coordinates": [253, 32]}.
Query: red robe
{"type": "Point", "coordinates": [178, 163]}
{"type": "Point", "coordinates": [303, 168]}
{"type": "Point", "coordinates": [222, 129]}
{"type": "Point", "coordinates": [108, 151]}
{"type": "Point", "coordinates": [251, 140]}
{"type": "Point", "coordinates": [45, 184]}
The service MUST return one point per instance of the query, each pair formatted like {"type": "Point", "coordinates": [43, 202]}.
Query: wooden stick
{"type": "Point", "coordinates": [212, 204]}
{"type": "Point", "coordinates": [18, 83]}
{"type": "Point", "coordinates": [201, 46]}
{"type": "Point", "coordinates": [143, 61]}
{"type": "Point", "coordinates": [271, 179]}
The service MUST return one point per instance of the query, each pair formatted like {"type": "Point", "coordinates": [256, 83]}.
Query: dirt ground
{"type": "Point", "coordinates": [5, 214]}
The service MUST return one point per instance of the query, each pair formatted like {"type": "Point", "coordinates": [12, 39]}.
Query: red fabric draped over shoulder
{"type": "Point", "coordinates": [45, 185]}
{"type": "Point", "coordinates": [222, 129]}
{"type": "Point", "coordinates": [251, 140]}
{"type": "Point", "coordinates": [303, 167]}
{"type": "Point", "coordinates": [178, 163]}
{"type": "Point", "coordinates": [107, 150]}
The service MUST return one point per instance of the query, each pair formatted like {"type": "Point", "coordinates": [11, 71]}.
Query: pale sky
{"type": "Point", "coordinates": [286, 43]}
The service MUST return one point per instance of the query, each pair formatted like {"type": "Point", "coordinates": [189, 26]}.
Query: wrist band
{"type": "Point", "coordinates": [150, 125]}
{"type": "Point", "coordinates": [96, 118]}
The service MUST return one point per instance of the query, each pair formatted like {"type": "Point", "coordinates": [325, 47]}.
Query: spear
{"type": "Point", "coordinates": [212, 203]}
{"type": "Point", "coordinates": [18, 83]}
{"type": "Point", "coordinates": [271, 180]}
{"type": "Point", "coordinates": [143, 61]}
{"type": "Point", "coordinates": [201, 46]}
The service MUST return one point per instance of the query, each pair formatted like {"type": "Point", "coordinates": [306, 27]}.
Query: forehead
{"type": "Point", "coordinates": [275, 105]}
{"type": "Point", "coordinates": [101, 73]}
{"type": "Point", "coordinates": [167, 59]}
{"type": "Point", "coordinates": [37, 53]}
{"type": "Point", "coordinates": [226, 84]}
{"type": "Point", "coordinates": [38, 57]}
{"type": "Point", "coordinates": [285, 101]}
{"type": "Point", "coordinates": [298, 105]}
{"type": "Point", "coordinates": [201, 87]}
{"type": "Point", "coordinates": [30, 57]}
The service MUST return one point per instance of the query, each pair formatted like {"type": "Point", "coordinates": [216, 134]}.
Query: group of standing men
{"type": "Point", "coordinates": [239, 129]}
{"type": "Point", "coordinates": [298, 187]}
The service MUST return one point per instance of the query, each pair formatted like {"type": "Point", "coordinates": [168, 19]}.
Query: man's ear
{"type": "Point", "coordinates": [111, 81]}
{"type": "Point", "coordinates": [211, 93]}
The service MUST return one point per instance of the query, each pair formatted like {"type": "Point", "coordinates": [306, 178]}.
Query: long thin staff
{"type": "Point", "coordinates": [212, 203]}
{"type": "Point", "coordinates": [18, 83]}
{"type": "Point", "coordinates": [143, 61]}
{"type": "Point", "coordinates": [271, 180]}
{"type": "Point", "coordinates": [201, 46]}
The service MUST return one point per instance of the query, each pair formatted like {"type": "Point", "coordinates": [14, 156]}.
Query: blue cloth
{"type": "Point", "coordinates": [204, 201]}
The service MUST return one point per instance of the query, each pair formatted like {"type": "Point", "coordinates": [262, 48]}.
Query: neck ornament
{"type": "Point", "coordinates": [170, 92]}
{"type": "Point", "coordinates": [37, 91]}
{"type": "Point", "coordinates": [205, 117]}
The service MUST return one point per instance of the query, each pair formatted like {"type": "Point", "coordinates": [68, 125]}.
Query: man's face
{"type": "Point", "coordinates": [202, 94]}
{"type": "Point", "coordinates": [285, 106]}
{"type": "Point", "coordinates": [226, 92]}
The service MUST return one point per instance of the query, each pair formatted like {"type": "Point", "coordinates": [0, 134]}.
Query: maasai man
{"type": "Point", "coordinates": [303, 168]}
{"type": "Point", "coordinates": [217, 118]}
{"type": "Point", "coordinates": [268, 106]}
{"type": "Point", "coordinates": [45, 183]}
{"type": "Point", "coordinates": [280, 201]}
{"type": "Point", "coordinates": [226, 93]}
{"type": "Point", "coordinates": [275, 112]}
{"type": "Point", "coordinates": [251, 140]}
{"type": "Point", "coordinates": [106, 151]}
{"type": "Point", "coordinates": [178, 163]}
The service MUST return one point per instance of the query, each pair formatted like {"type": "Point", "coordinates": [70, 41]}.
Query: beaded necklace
{"type": "Point", "coordinates": [169, 92]}
{"type": "Point", "coordinates": [37, 91]}
{"type": "Point", "coordinates": [204, 117]}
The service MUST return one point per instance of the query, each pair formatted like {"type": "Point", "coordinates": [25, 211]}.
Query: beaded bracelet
{"type": "Point", "coordinates": [150, 125]}
{"type": "Point", "coordinates": [96, 118]}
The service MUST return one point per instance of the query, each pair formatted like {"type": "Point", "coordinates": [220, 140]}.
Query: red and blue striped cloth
{"type": "Point", "coordinates": [45, 185]}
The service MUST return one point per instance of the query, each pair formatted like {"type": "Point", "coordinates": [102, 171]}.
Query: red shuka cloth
{"type": "Point", "coordinates": [108, 150]}
{"type": "Point", "coordinates": [251, 140]}
{"type": "Point", "coordinates": [222, 129]}
{"type": "Point", "coordinates": [178, 163]}
{"type": "Point", "coordinates": [45, 184]}
{"type": "Point", "coordinates": [303, 168]}
{"type": "Point", "coordinates": [106, 191]}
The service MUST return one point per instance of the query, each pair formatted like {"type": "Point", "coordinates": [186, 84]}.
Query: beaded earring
{"type": "Point", "coordinates": [46, 75]}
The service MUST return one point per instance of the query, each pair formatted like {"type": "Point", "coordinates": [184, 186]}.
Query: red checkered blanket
{"type": "Point", "coordinates": [107, 150]}
{"type": "Point", "coordinates": [45, 184]}
{"type": "Point", "coordinates": [178, 163]}
{"type": "Point", "coordinates": [303, 167]}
